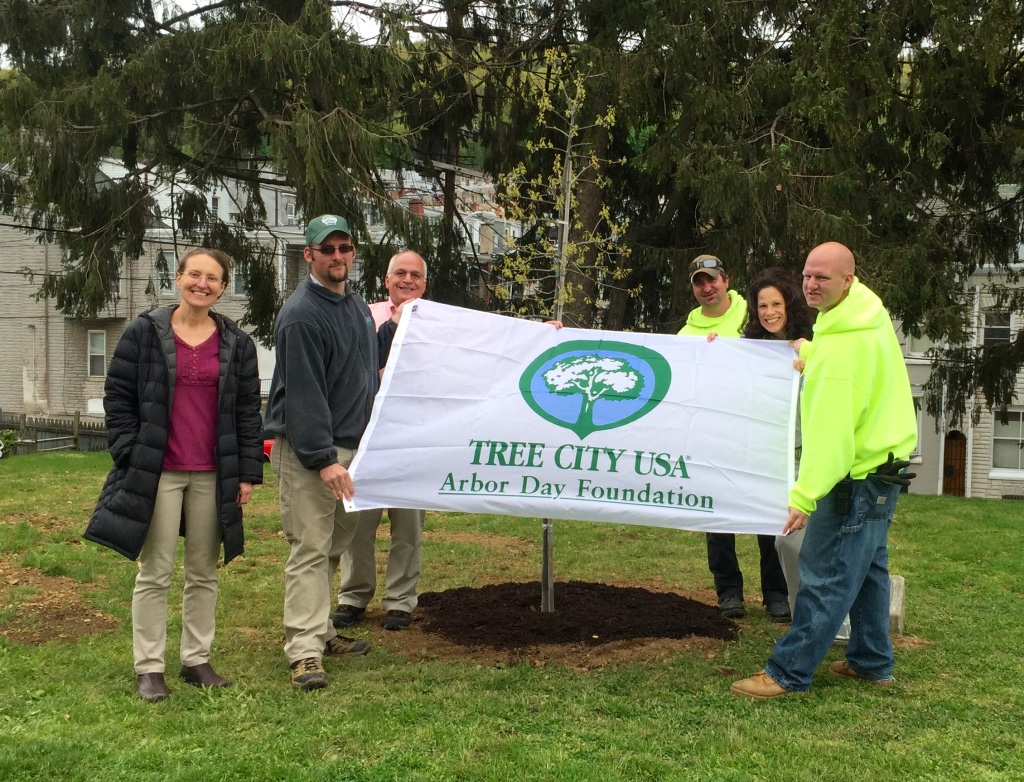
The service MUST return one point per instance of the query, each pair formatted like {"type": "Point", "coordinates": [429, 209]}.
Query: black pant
{"type": "Point", "coordinates": [726, 568]}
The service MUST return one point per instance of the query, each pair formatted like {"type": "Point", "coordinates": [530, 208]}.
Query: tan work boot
{"type": "Point", "coordinates": [308, 674]}
{"type": "Point", "coordinates": [340, 646]}
{"type": "Point", "coordinates": [758, 687]}
{"type": "Point", "coordinates": [842, 669]}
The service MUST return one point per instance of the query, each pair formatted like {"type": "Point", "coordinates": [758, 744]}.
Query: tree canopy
{"type": "Point", "coordinates": [751, 130]}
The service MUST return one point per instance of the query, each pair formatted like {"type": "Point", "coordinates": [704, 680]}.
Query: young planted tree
{"type": "Point", "coordinates": [569, 257]}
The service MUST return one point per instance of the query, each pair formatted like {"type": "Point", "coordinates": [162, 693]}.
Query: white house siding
{"type": "Point", "coordinates": [31, 330]}
{"type": "Point", "coordinates": [984, 483]}
{"type": "Point", "coordinates": [44, 356]}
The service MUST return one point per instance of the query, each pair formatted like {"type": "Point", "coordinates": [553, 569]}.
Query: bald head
{"type": "Point", "coordinates": [839, 255]}
{"type": "Point", "coordinates": [828, 275]}
{"type": "Point", "coordinates": [406, 278]}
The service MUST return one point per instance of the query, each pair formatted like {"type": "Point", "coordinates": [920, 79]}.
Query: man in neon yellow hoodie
{"type": "Point", "coordinates": [858, 417]}
{"type": "Point", "coordinates": [724, 313]}
{"type": "Point", "coordinates": [721, 310]}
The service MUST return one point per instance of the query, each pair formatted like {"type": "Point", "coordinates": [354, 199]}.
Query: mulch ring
{"type": "Point", "coordinates": [593, 625]}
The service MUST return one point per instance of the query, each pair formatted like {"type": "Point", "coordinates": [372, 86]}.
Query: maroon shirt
{"type": "Point", "coordinates": [192, 440]}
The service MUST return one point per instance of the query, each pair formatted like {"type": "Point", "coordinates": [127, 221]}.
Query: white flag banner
{"type": "Point", "coordinates": [488, 414]}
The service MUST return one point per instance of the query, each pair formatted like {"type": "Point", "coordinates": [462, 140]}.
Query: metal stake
{"type": "Point", "coordinates": [547, 571]}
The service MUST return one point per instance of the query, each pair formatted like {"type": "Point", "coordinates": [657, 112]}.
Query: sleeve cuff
{"type": "Point", "coordinates": [801, 501]}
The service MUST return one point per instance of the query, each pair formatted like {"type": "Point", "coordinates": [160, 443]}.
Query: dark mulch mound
{"type": "Point", "coordinates": [508, 616]}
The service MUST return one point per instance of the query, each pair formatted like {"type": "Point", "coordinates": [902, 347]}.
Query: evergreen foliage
{"type": "Point", "coordinates": [232, 92]}
{"type": "Point", "coordinates": [751, 130]}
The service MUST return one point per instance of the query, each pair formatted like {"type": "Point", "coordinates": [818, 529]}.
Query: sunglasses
{"type": "Point", "coordinates": [705, 263]}
{"type": "Point", "coordinates": [328, 249]}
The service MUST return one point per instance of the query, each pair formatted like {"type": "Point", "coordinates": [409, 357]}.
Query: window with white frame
{"type": "Point", "coordinates": [919, 346]}
{"type": "Point", "coordinates": [997, 327]}
{"type": "Point", "coordinates": [237, 283]}
{"type": "Point", "coordinates": [374, 213]}
{"type": "Point", "coordinates": [166, 267]}
{"type": "Point", "coordinates": [97, 353]}
{"type": "Point", "coordinates": [1008, 441]}
{"type": "Point", "coordinates": [117, 287]}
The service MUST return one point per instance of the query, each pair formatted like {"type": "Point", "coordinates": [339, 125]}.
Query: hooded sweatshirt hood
{"type": "Point", "coordinates": [728, 325]}
{"type": "Point", "coordinates": [856, 404]}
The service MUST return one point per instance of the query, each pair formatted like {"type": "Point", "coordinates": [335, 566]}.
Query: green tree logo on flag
{"type": "Point", "coordinates": [589, 386]}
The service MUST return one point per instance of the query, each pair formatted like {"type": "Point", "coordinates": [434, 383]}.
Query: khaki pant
{"type": "Point", "coordinates": [788, 547]}
{"type": "Point", "coordinates": [358, 563]}
{"type": "Point", "coordinates": [318, 529]}
{"type": "Point", "coordinates": [196, 493]}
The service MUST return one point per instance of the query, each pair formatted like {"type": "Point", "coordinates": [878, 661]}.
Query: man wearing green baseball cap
{"type": "Point", "coordinates": [325, 379]}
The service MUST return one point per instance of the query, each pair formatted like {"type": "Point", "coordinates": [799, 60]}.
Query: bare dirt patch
{"type": "Point", "coordinates": [45, 522]}
{"type": "Point", "coordinates": [910, 642]}
{"type": "Point", "coordinates": [500, 542]}
{"type": "Point", "coordinates": [52, 610]}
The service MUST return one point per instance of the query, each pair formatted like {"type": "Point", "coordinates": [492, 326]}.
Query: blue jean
{"type": "Point", "coordinates": [844, 568]}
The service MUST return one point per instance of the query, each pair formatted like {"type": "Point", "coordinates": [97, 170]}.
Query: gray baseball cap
{"type": "Point", "coordinates": [706, 264]}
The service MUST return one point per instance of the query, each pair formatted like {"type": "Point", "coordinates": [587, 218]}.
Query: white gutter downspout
{"type": "Point", "coordinates": [970, 407]}
{"type": "Point", "coordinates": [942, 444]}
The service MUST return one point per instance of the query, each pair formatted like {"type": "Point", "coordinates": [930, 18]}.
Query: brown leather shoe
{"type": "Point", "coordinates": [842, 669]}
{"type": "Point", "coordinates": [152, 687]}
{"type": "Point", "coordinates": [758, 687]}
{"type": "Point", "coordinates": [203, 675]}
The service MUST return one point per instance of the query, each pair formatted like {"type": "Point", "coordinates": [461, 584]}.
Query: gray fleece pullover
{"type": "Point", "coordinates": [326, 375]}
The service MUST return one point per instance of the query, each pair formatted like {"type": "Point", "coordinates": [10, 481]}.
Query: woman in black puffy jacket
{"type": "Point", "coordinates": [182, 402]}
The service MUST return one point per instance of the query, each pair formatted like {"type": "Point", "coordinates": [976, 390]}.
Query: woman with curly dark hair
{"type": "Point", "coordinates": [776, 308]}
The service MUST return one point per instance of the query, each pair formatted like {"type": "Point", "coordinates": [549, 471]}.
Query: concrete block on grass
{"type": "Point", "coordinates": [897, 605]}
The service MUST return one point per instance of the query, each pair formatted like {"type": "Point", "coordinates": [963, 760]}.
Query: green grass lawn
{"type": "Point", "coordinates": [68, 711]}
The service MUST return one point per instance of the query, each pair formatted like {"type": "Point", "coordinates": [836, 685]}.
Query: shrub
{"type": "Point", "coordinates": [8, 443]}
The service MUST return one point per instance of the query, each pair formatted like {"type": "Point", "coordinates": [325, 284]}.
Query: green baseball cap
{"type": "Point", "coordinates": [319, 228]}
